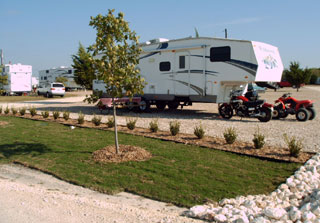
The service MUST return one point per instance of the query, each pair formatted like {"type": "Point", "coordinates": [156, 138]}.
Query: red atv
{"type": "Point", "coordinates": [286, 105]}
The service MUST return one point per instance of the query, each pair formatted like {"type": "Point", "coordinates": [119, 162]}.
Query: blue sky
{"type": "Point", "coordinates": [45, 33]}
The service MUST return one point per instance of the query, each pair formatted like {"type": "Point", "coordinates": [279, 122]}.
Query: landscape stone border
{"type": "Point", "coordinates": [297, 200]}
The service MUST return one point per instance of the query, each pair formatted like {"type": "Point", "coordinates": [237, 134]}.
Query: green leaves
{"type": "Point", "coordinates": [296, 75]}
{"type": "Point", "coordinates": [120, 50]}
{"type": "Point", "coordinates": [84, 69]}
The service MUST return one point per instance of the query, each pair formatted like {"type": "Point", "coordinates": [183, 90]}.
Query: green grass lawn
{"type": "Point", "coordinates": [29, 98]}
{"type": "Point", "coordinates": [180, 174]}
{"type": "Point", "coordinates": [20, 98]}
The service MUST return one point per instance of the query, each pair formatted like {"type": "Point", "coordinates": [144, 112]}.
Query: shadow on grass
{"type": "Point", "coordinates": [9, 150]}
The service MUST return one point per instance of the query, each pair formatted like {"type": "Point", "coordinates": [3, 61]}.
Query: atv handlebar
{"type": "Point", "coordinates": [286, 95]}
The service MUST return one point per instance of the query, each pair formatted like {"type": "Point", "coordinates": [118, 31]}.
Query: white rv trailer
{"type": "Point", "coordinates": [19, 78]}
{"type": "Point", "coordinates": [188, 70]}
{"type": "Point", "coordinates": [50, 75]}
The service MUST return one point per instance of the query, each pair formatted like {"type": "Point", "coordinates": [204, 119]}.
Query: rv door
{"type": "Point", "coordinates": [182, 73]}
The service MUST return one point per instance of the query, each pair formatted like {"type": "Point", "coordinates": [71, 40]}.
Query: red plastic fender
{"type": "Point", "coordinates": [304, 103]}
{"type": "Point", "coordinates": [281, 102]}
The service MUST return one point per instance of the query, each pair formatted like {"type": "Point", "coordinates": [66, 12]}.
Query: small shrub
{"type": "Point", "coordinates": [96, 120]}
{"type": "Point", "coordinates": [45, 114]}
{"type": "Point", "coordinates": [7, 110]}
{"type": "Point", "coordinates": [33, 111]}
{"type": "Point", "coordinates": [13, 110]}
{"type": "Point", "coordinates": [293, 144]}
{"type": "Point", "coordinates": [199, 131]}
{"type": "Point", "coordinates": [22, 111]}
{"type": "Point", "coordinates": [66, 115]}
{"type": "Point", "coordinates": [81, 118]}
{"type": "Point", "coordinates": [230, 135]}
{"type": "Point", "coordinates": [258, 140]}
{"type": "Point", "coordinates": [0, 109]}
{"type": "Point", "coordinates": [153, 125]}
{"type": "Point", "coordinates": [110, 122]}
{"type": "Point", "coordinates": [131, 123]}
{"type": "Point", "coordinates": [56, 114]}
{"type": "Point", "coordinates": [174, 127]}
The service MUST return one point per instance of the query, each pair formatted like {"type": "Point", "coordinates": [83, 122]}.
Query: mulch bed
{"type": "Point", "coordinates": [126, 153]}
{"type": "Point", "coordinates": [244, 148]}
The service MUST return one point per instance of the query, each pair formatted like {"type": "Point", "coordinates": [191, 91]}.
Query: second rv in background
{"type": "Point", "coordinates": [51, 75]}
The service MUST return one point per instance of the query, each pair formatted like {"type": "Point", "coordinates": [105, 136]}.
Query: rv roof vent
{"type": "Point", "coordinates": [158, 40]}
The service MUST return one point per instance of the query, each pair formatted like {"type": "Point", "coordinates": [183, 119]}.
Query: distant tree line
{"type": "Point", "coordinates": [297, 76]}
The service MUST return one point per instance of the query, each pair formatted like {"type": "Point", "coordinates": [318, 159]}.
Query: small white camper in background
{"type": "Point", "coordinates": [19, 78]}
{"type": "Point", "coordinates": [184, 71]}
{"type": "Point", "coordinates": [50, 75]}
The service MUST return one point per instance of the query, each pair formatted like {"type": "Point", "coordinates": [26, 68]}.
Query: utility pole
{"type": "Point", "coordinates": [1, 59]}
{"type": "Point", "coordinates": [226, 33]}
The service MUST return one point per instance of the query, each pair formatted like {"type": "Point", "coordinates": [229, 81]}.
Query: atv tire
{"type": "Point", "coordinates": [302, 115]}
{"type": "Point", "coordinates": [312, 113]}
{"type": "Point", "coordinates": [277, 112]}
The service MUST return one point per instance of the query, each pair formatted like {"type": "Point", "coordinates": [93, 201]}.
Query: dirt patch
{"type": "Point", "coordinates": [126, 153]}
{"type": "Point", "coordinates": [3, 123]}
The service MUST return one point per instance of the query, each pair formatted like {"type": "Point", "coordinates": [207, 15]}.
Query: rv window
{"type": "Point", "coordinates": [182, 62]}
{"type": "Point", "coordinates": [165, 66]}
{"type": "Point", "coordinates": [219, 54]}
{"type": "Point", "coordinates": [44, 78]}
{"type": "Point", "coordinates": [47, 71]}
{"type": "Point", "coordinates": [70, 71]}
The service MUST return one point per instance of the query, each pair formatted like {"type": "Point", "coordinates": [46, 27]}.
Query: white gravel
{"type": "Point", "coordinates": [296, 200]}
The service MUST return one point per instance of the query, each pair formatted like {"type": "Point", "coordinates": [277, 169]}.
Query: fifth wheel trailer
{"type": "Point", "coordinates": [184, 71]}
{"type": "Point", "coordinates": [19, 78]}
{"type": "Point", "coordinates": [49, 76]}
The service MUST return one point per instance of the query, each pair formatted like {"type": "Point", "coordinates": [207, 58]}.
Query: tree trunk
{"type": "Point", "coordinates": [115, 126]}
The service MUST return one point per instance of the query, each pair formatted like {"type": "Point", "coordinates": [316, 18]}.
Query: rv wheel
{"type": "Point", "coordinates": [144, 106]}
{"type": "Point", "coordinates": [161, 105]}
{"type": "Point", "coordinates": [173, 105]}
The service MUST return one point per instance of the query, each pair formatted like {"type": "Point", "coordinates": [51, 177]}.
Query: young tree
{"type": "Point", "coordinates": [296, 75]}
{"type": "Point", "coordinates": [116, 54]}
{"type": "Point", "coordinates": [84, 70]}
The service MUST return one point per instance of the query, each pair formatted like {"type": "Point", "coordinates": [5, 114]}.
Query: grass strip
{"type": "Point", "coordinates": [184, 175]}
